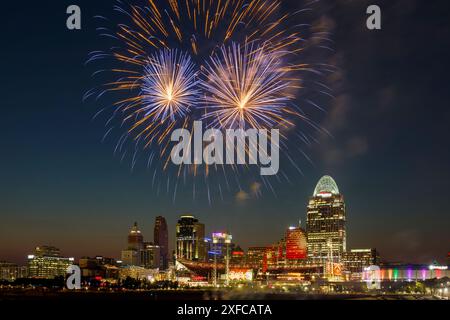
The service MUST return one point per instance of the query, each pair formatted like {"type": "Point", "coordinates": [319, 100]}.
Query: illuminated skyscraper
{"type": "Point", "coordinates": [150, 256]}
{"type": "Point", "coordinates": [296, 244]}
{"type": "Point", "coordinates": [325, 224]}
{"type": "Point", "coordinates": [161, 239]}
{"type": "Point", "coordinates": [132, 255]}
{"type": "Point", "coordinates": [135, 238]}
{"type": "Point", "coordinates": [140, 253]}
{"type": "Point", "coordinates": [190, 239]}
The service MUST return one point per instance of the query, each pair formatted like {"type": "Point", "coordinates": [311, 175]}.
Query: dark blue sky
{"type": "Point", "coordinates": [389, 154]}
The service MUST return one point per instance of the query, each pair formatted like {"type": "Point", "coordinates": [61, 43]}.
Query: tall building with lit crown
{"type": "Point", "coordinates": [190, 235]}
{"type": "Point", "coordinates": [135, 238]}
{"type": "Point", "coordinates": [325, 223]}
{"type": "Point", "coordinates": [161, 239]}
{"type": "Point", "coordinates": [139, 253]}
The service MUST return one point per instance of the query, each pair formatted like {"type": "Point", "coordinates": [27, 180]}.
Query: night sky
{"type": "Point", "coordinates": [389, 150]}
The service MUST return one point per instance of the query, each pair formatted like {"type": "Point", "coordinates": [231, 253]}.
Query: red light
{"type": "Point", "coordinates": [295, 244]}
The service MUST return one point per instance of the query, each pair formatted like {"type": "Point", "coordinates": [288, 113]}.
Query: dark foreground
{"type": "Point", "coordinates": [201, 304]}
{"type": "Point", "coordinates": [190, 295]}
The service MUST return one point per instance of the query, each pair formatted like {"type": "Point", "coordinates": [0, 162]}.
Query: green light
{"type": "Point", "coordinates": [395, 274]}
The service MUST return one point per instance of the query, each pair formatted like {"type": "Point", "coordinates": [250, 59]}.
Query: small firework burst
{"type": "Point", "coordinates": [169, 86]}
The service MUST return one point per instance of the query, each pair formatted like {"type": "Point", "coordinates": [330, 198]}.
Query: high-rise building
{"type": "Point", "coordinates": [139, 253]}
{"type": "Point", "coordinates": [131, 256]}
{"type": "Point", "coordinates": [190, 235]}
{"type": "Point", "coordinates": [46, 262]}
{"type": "Point", "coordinates": [296, 244]}
{"type": "Point", "coordinates": [356, 260]}
{"type": "Point", "coordinates": [161, 239]}
{"type": "Point", "coordinates": [150, 256]}
{"type": "Point", "coordinates": [325, 224]}
{"type": "Point", "coordinates": [135, 238]}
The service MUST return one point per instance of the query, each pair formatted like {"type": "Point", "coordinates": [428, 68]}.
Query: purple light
{"type": "Point", "coordinates": [424, 274]}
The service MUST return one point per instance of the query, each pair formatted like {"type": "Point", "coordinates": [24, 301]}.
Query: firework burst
{"type": "Point", "coordinates": [248, 87]}
{"type": "Point", "coordinates": [169, 86]}
{"type": "Point", "coordinates": [202, 25]}
{"type": "Point", "coordinates": [232, 63]}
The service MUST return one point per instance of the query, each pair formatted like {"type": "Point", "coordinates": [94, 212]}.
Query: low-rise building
{"type": "Point", "coordinates": [356, 260]}
{"type": "Point", "coordinates": [11, 271]}
{"type": "Point", "coordinates": [47, 263]}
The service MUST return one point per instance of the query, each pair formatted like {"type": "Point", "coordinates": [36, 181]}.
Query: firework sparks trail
{"type": "Point", "coordinates": [240, 56]}
{"type": "Point", "coordinates": [247, 87]}
{"type": "Point", "coordinates": [169, 86]}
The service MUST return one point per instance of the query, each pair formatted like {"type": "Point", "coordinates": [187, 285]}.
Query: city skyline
{"type": "Point", "coordinates": [387, 149]}
{"type": "Point", "coordinates": [325, 190]}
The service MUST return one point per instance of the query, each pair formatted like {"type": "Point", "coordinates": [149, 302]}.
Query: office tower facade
{"type": "Point", "coordinates": [99, 267]}
{"type": "Point", "coordinates": [296, 244]}
{"type": "Point", "coordinates": [150, 256]}
{"type": "Point", "coordinates": [47, 263]}
{"type": "Point", "coordinates": [237, 256]}
{"type": "Point", "coordinates": [190, 239]}
{"type": "Point", "coordinates": [135, 238]}
{"type": "Point", "coordinates": [139, 253]}
{"type": "Point", "coordinates": [275, 255]}
{"type": "Point", "coordinates": [325, 224]}
{"type": "Point", "coordinates": [161, 239]}
{"type": "Point", "coordinates": [255, 257]}
{"type": "Point", "coordinates": [131, 256]}
{"type": "Point", "coordinates": [11, 271]}
{"type": "Point", "coordinates": [356, 260]}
